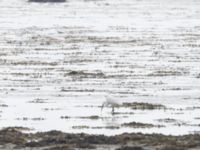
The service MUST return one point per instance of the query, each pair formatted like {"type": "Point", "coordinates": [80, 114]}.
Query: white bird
{"type": "Point", "coordinates": [110, 102]}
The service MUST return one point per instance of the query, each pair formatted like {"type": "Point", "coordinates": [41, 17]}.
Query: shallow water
{"type": "Point", "coordinates": [133, 50]}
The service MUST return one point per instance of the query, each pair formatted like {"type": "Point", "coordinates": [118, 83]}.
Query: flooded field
{"type": "Point", "coordinates": [58, 61]}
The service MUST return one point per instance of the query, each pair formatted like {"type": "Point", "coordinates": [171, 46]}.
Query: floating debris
{"type": "Point", "coordinates": [80, 127]}
{"type": "Point", "coordinates": [90, 117]}
{"type": "Point", "coordinates": [167, 120]}
{"type": "Point", "coordinates": [51, 109]}
{"type": "Point", "coordinates": [33, 119]}
{"type": "Point", "coordinates": [85, 74]}
{"type": "Point", "coordinates": [140, 125]}
{"type": "Point", "coordinates": [38, 100]}
{"type": "Point", "coordinates": [3, 105]}
{"type": "Point", "coordinates": [65, 117]}
{"type": "Point", "coordinates": [136, 105]}
{"type": "Point", "coordinates": [106, 127]}
{"type": "Point", "coordinates": [175, 122]}
{"type": "Point", "coordinates": [44, 1]}
{"type": "Point", "coordinates": [165, 73]}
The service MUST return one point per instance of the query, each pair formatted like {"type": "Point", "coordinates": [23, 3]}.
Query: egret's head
{"type": "Point", "coordinates": [108, 95]}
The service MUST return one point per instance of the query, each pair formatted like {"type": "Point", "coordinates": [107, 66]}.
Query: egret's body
{"type": "Point", "coordinates": [110, 102]}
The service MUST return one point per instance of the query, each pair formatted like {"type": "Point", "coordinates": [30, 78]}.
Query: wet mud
{"type": "Point", "coordinates": [55, 140]}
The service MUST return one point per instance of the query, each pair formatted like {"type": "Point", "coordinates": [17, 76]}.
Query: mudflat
{"type": "Point", "coordinates": [14, 138]}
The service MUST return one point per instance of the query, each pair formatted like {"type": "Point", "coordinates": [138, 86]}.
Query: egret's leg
{"type": "Point", "coordinates": [102, 106]}
{"type": "Point", "coordinates": [113, 109]}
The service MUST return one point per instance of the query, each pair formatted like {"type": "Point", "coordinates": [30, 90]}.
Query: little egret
{"type": "Point", "coordinates": [110, 102]}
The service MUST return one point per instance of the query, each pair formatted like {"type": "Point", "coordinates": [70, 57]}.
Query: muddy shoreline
{"type": "Point", "coordinates": [15, 138]}
{"type": "Point", "coordinates": [58, 61]}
